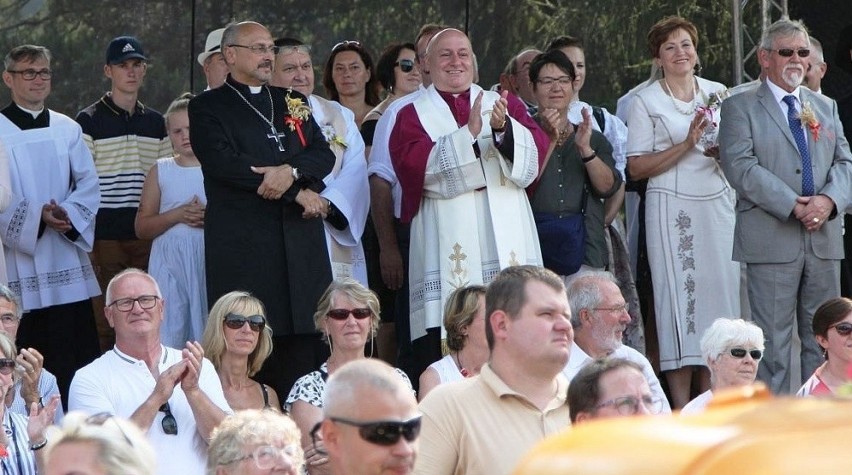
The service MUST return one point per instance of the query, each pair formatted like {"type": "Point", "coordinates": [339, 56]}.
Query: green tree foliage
{"type": "Point", "coordinates": [77, 31]}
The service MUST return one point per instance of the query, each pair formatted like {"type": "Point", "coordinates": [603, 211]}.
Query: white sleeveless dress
{"type": "Point", "coordinates": [177, 258]}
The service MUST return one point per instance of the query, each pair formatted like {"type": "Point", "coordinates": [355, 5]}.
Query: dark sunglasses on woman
{"type": "Point", "coordinates": [235, 321]}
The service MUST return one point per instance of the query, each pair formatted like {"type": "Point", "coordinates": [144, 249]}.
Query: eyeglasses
{"type": "Point", "coordinates": [740, 353]}
{"type": "Point", "coordinates": [405, 65]}
{"type": "Point", "coordinates": [169, 423]}
{"type": "Point", "coordinates": [30, 74]}
{"type": "Point", "coordinates": [789, 52]}
{"type": "Point", "coordinates": [235, 322]}
{"type": "Point", "coordinates": [145, 302]}
{"type": "Point", "coordinates": [618, 309]}
{"type": "Point", "coordinates": [629, 405]}
{"type": "Point", "coordinates": [259, 50]}
{"type": "Point", "coordinates": [563, 81]}
{"type": "Point", "coordinates": [344, 44]}
{"type": "Point", "coordinates": [842, 328]}
{"type": "Point", "coordinates": [100, 419]}
{"type": "Point", "coordinates": [7, 366]}
{"type": "Point", "coordinates": [343, 314]}
{"type": "Point", "coordinates": [266, 456]}
{"type": "Point", "coordinates": [384, 432]}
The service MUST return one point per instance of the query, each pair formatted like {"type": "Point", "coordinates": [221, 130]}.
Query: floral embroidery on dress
{"type": "Point", "coordinates": [686, 255]}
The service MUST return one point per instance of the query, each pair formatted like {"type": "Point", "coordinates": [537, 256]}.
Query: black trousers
{"type": "Point", "coordinates": [65, 335]}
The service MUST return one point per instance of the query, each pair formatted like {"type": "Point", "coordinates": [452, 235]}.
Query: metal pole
{"type": "Point", "coordinates": [737, 26]}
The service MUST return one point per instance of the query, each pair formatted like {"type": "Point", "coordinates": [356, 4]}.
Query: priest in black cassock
{"type": "Point", "coordinates": [259, 147]}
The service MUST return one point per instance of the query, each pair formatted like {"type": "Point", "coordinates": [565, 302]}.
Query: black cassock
{"type": "Point", "coordinates": [253, 244]}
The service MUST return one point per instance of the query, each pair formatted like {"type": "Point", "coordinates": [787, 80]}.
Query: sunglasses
{"type": "Point", "coordinates": [384, 432]}
{"type": "Point", "coordinates": [789, 52]}
{"type": "Point", "coordinates": [343, 314]}
{"type": "Point", "coordinates": [235, 322]}
{"type": "Point", "coordinates": [842, 328]}
{"type": "Point", "coordinates": [405, 65]}
{"type": "Point", "coordinates": [740, 353]}
{"type": "Point", "coordinates": [7, 366]}
{"type": "Point", "coordinates": [346, 43]}
{"type": "Point", "coordinates": [169, 423]}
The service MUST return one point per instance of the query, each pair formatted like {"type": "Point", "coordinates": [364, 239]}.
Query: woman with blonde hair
{"type": "Point", "coordinates": [347, 315]}
{"type": "Point", "coordinates": [101, 444]}
{"type": "Point", "coordinates": [237, 340]}
{"type": "Point", "coordinates": [254, 441]}
{"type": "Point", "coordinates": [464, 321]}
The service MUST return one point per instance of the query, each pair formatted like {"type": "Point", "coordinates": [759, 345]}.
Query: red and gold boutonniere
{"type": "Point", "coordinates": [297, 113]}
{"type": "Point", "coordinates": [809, 119]}
{"type": "Point", "coordinates": [3, 452]}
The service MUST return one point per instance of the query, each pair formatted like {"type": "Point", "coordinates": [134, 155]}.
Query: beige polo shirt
{"type": "Point", "coordinates": [482, 426]}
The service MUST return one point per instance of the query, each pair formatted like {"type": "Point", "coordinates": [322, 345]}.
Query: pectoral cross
{"type": "Point", "coordinates": [276, 136]}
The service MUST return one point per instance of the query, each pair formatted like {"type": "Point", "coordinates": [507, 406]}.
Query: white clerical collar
{"type": "Point", "coordinates": [30, 111]}
{"type": "Point", "coordinates": [255, 89]}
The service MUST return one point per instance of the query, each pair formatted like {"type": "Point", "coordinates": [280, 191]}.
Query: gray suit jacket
{"type": "Point", "coordinates": [761, 161]}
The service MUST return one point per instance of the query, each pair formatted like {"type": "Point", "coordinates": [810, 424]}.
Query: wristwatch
{"type": "Point", "coordinates": [296, 173]}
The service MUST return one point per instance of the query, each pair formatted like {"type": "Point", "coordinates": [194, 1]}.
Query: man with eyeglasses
{"type": "Point", "coordinates": [486, 423]}
{"type": "Point", "coordinates": [370, 421]}
{"type": "Point", "coordinates": [346, 198]}
{"type": "Point", "coordinates": [599, 317]}
{"type": "Point", "coordinates": [783, 150]}
{"type": "Point", "coordinates": [611, 387]}
{"type": "Point", "coordinates": [126, 138]}
{"type": "Point", "coordinates": [48, 223]}
{"type": "Point", "coordinates": [516, 78]}
{"type": "Point", "coordinates": [36, 384]}
{"type": "Point", "coordinates": [264, 158]}
{"type": "Point", "coordinates": [174, 395]}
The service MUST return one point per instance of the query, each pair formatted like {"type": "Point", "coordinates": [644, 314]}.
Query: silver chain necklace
{"type": "Point", "coordinates": [275, 135]}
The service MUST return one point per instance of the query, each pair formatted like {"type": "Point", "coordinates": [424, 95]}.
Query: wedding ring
{"type": "Point", "coordinates": [816, 220]}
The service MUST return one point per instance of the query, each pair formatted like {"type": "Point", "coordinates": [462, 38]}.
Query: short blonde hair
{"type": "Point", "coordinates": [459, 313]}
{"type": "Point", "coordinates": [251, 427]}
{"type": "Point", "coordinates": [357, 293]}
{"type": "Point", "coordinates": [213, 340]}
{"type": "Point", "coordinates": [122, 448]}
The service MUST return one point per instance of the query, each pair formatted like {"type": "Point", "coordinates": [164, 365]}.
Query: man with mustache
{"type": "Point", "coordinates": [261, 151]}
{"type": "Point", "coordinates": [599, 317]}
{"type": "Point", "coordinates": [783, 149]}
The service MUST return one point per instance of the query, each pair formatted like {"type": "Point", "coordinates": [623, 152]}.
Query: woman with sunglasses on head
{"type": "Point", "coordinates": [732, 349]}
{"type": "Point", "coordinates": [832, 327]}
{"type": "Point", "coordinates": [689, 204]}
{"type": "Point", "coordinates": [347, 316]}
{"type": "Point", "coordinates": [350, 79]}
{"type": "Point", "coordinates": [398, 74]}
{"type": "Point", "coordinates": [237, 340]}
{"type": "Point", "coordinates": [23, 436]}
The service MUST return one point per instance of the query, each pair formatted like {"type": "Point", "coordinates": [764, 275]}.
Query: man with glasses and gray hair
{"type": "Point", "coordinates": [599, 317]}
{"type": "Point", "coordinates": [174, 395]}
{"type": "Point", "coordinates": [36, 384]}
{"type": "Point", "coordinates": [48, 221]}
{"type": "Point", "coordinates": [370, 420]}
{"type": "Point", "coordinates": [611, 387]}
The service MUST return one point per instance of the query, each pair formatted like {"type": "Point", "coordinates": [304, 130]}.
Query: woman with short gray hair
{"type": "Point", "coordinates": [732, 349]}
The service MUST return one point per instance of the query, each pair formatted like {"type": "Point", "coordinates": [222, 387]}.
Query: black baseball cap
{"type": "Point", "coordinates": [123, 48]}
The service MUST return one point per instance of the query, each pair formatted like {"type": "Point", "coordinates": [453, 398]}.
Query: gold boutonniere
{"type": "Point", "coordinates": [297, 113]}
{"type": "Point", "coordinates": [332, 138]}
{"type": "Point", "coordinates": [808, 118]}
